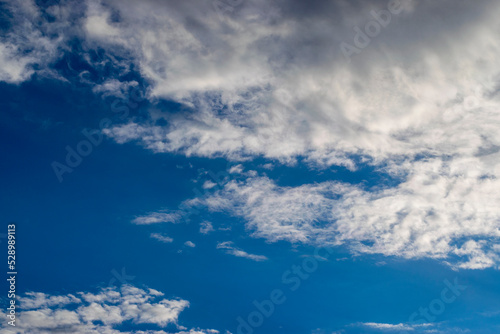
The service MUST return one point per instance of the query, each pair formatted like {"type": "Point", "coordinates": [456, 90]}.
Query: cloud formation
{"type": "Point", "coordinates": [411, 220]}
{"type": "Point", "coordinates": [268, 96]}
{"type": "Point", "coordinates": [162, 238]}
{"type": "Point", "coordinates": [269, 80]}
{"type": "Point", "coordinates": [99, 312]}
{"type": "Point", "coordinates": [189, 244]}
{"type": "Point", "coordinates": [388, 327]}
{"type": "Point", "coordinates": [424, 119]}
{"type": "Point", "coordinates": [206, 227]}
{"type": "Point", "coordinates": [230, 249]}
{"type": "Point", "coordinates": [32, 42]}
{"type": "Point", "coordinates": [158, 217]}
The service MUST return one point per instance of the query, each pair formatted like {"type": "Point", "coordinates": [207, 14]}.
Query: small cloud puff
{"type": "Point", "coordinates": [161, 238]}
{"type": "Point", "coordinates": [190, 244]}
{"type": "Point", "coordinates": [158, 217]}
{"type": "Point", "coordinates": [206, 227]}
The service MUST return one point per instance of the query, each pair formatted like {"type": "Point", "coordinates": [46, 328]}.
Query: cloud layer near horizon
{"type": "Point", "coordinates": [98, 313]}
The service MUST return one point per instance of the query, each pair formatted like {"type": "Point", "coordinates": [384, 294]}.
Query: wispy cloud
{"type": "Point", "coordinates": [161, 238]}
{"type": "Point", "coordinates": [411, 113]}
{"type": "Point", "coordinates": [206, 227]}
{"type": "Point", "coordinates": [29, 47]}
{"type": "Point", "coordinates": [418, 218]}
{"type": "Point", "coordinates": [413, 104]}
{"type": "Point", "coordinates": [230, 249]}
{"type": "Point", "coordinates": [99, 312]}
{"type": "Point", "coordinates": [158, 217]}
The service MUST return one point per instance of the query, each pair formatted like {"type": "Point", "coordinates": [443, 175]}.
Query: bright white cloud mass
{"type": "Point", "coordinates": [267, 82]}
{"type": "Point", "coordinates": [100, 312]}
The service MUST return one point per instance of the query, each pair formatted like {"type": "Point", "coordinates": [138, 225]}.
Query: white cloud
{"type": "Point", "coordinates": [39, 36]}
{"type": "Point", "coordinates": [390, 327]}
{"type": "Point", "coordinates": [421, 217]}
{"type": "Point", "coordinates": [404, 328]}
{"type": "Point", "coordinates": [420, 106]}
{"type": "Point", "coordinates": [190, 244]}
{"type": "Point", "coordinates": [237, 169]}
{"type": "Point", "coordinates": [32, 43]}
{"type": "Point", "coordinates": [436, 327]}
{"type": "Point", "coordinates": [206, 227]}
{"type": "Point", "coordinates": [230, 249]}
{"type": "Point", "coordinates": [99, 313]}
{"type": "Point", "coordinates": [33, 300]}
{"type": "Point", "coordinates": [113, 87]}
{"type": "Point", "coordinates": [158, 217]}
{"type": "Point", "coordinates": [107, 295]}
{"type": "Point", "coordinates": [161, 238]}
{"type": "Point", "coordinates": [200, 331]}
{"type": "Point", "coordinates": [209, 184]}
{"type": "Point", "coordinates": [401, 104]}
{"type": "Point", "coordinates": [97, 23]}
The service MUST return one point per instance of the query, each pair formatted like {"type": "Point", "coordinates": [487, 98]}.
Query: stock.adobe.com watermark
{"type": "Point", "coordinates": [437, 306]}
{"type": "Point", "coordinates": [94, 138]}
{"type": "Point", "coordinates": [293, 279]}
{"type": "Point", "coordinates": [120, 278]}
{"type": "Point", "coordinates": [373, 28]}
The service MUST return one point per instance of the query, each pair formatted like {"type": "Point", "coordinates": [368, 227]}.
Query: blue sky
{"type": "Point", "coordinates": [251, 167]}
